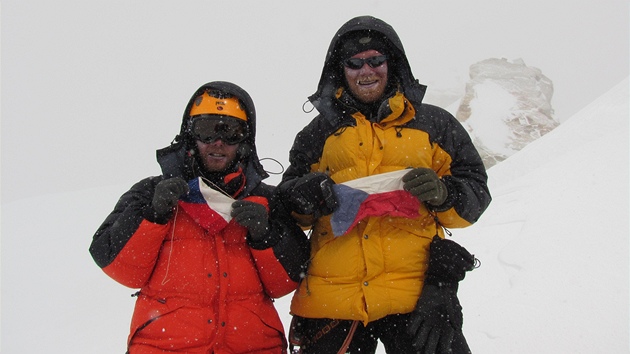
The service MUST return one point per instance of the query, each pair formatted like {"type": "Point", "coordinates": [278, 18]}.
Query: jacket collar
{"type": "Point", "coordinates": [396, 109]}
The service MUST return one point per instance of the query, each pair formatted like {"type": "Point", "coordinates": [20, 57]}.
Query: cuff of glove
{"type": "Point", "coordinates": [448, 262]}
{"type": "Point", "coordinates": [153, 216]}
{"type": "Point", "coordinates": [262, 243]}
{"type": "Point", "coordinates": [283, 192]}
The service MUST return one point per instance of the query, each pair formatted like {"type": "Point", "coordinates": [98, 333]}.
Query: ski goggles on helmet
{"type": "Point", "coordinates": [210, 128]}
{"type": "Point", "coordinates": [357, 63]}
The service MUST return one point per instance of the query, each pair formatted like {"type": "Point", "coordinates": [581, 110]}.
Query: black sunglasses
{"type": "Point", "coordinates": [209, 128]}
{"type": "Point", "coordinates": [357, 63]}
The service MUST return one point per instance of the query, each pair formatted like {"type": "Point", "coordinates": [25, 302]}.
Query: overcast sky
{"type": "Point", "coordinates": [90, 89]}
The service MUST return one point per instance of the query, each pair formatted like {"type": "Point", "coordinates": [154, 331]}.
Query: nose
{"type": "Point", "coordinates": [366, 69]}
{"type": "Point", "coordinates": [215, 142]}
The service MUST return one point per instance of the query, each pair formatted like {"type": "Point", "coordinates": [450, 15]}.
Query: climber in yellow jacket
{"type": "Point", "coordinates": [372, 121]}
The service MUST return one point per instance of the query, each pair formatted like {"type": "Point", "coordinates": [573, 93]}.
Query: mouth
{"type": "Point", "coordinates": [367, 82]}
{"type": "Point", "coordinates": [216, 155]}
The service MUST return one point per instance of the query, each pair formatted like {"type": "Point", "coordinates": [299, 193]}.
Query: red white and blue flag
{"type": "Point", "coordinates": [377, 195]}
{"type": "Point", "coordinates": [208, 207]}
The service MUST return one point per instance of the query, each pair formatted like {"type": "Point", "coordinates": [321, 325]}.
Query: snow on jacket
{"type": "Point", "coordinates": [378, 267]}
{"type": "Point", "coordinates": [202, 289]}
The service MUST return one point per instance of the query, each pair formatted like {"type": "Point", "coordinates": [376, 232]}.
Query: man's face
{"type": "Point", "coordinates": [367, 84]}
{"type": "Point", "coordinates": [217, 155]}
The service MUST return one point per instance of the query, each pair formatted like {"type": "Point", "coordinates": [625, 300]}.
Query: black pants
{"type": "Point", "coordinates": [326, 336]}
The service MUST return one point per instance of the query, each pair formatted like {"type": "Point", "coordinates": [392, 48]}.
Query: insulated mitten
{"type": "Point", "coordinates": [438, 313]}
{"type": "Point", "coordinates": [253, 216]}
{"type": "Point", "coordinates": [166, 195]}
{"type": "Point", "coordinates": [425, 185]}
{"type": "Point", "coordinates": [312, 194]}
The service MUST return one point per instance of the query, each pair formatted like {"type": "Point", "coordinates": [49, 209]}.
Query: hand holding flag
{"type": "Point", "coordinates": [166, 195]}
{"type": "Point", "coordinates": [312, 194]}
{"type": "Point", "coordinates": [425, 185]}
{"type": "Point", "coordinates": [253, 216]}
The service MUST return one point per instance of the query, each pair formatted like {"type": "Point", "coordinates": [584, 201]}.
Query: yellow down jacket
{"type": "Point", "coordinates": [378, 267]}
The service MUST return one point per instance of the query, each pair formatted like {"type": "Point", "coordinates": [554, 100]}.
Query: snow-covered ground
{"type": "Point", "coordinates": [553, 245]}
{"type": "Point", "coordinates": [554, 242]}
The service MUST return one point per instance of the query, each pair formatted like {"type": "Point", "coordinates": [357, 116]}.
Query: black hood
{"type": "Point", "coordinates": [332, 74]}
{"type": "Point", "coordinates": [175, 159]}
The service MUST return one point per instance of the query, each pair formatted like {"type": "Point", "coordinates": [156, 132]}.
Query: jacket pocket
{"type": "Point", "coordinates": [254, 327]}
{"type": "Point", "coordinates": [169, 324]}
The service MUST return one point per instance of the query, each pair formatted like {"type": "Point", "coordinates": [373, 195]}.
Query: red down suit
{"type": "Point", "coordinates": [205, 286]}
{"type": "Point", "coordinates": [199, 287]}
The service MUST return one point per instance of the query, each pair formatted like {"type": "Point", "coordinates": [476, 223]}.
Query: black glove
{"type": "Point", "coordinates": [438, 313]}
{"type": "Point", "coordinates": [425, 185]}
{"type": "Point", "coordinates": [437, 316]}
{"type": "Point", "coordinates": [312, 194]}
{"type": "Point", "coordinates": [253, 216]}
{"type": "Point", "coordinates": [166, 195]}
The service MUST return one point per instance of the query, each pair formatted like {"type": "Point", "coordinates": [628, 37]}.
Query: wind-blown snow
{"type": "Point", "coordinates": [553, 246]}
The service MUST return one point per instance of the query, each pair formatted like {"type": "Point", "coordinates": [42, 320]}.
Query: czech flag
{"type": "Point", "coordinates": [376, 195]}
{"type": "Point", "coordinates": [208, 207]}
